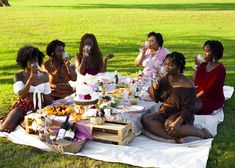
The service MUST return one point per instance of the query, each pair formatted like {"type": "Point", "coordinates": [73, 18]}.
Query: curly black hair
{"type": "Point", "coordinates": [52, 45]}
{"type": "Point", "coordinates": [158, 37]}
{"type": "Point", "coordinates": [216, 48]}
{"type": "Point", "coordinates": [178, 59]}
{"type": "Point", "coordinates": [27, 53]}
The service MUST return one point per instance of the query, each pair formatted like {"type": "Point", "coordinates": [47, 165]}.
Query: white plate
{"type": "Point", "coordinates": [133, 108]}
{"type": "Point", "coordinates": [93, 98]}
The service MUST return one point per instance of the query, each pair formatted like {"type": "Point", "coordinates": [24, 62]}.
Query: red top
{"type": "Point", "coordinates": [212, 84]}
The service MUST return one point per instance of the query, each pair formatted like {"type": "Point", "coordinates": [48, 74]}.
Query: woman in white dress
{"type": "Point", "coordinates": [31, 85]}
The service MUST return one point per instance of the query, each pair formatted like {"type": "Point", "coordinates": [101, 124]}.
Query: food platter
{"type": "Point", "coordinates": [58, 110]}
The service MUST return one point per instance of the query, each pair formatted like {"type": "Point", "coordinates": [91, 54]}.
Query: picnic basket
{"type": "Point", "coordinates": [67, 146]}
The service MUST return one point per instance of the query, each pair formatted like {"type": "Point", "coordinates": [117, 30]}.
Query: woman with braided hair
{"type": "Point", "coordinates": [177, 93]}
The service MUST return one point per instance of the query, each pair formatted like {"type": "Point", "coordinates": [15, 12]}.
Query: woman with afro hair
{"type": "Point", "coordinates": [89, 58]}
{"type": "Point", "coordinates": [31, 85]}
{"type": "Point", "coordinates": [175, 117]}
{"type": "Point", "coordinates": [60, 70]}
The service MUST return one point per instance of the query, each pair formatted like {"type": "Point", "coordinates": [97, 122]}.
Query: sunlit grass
{"type": "Point", "coordinates": [120, 27]}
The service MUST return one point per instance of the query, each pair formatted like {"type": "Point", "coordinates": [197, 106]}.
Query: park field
{"type": "Point", "coordinates": [120, 28]}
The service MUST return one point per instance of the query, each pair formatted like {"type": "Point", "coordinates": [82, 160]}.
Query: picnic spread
{"type": "Point", "coordinates": [108, 112]}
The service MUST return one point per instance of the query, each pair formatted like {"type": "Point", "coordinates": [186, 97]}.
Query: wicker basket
{"type": "Point", "coordinates": [71, 147]}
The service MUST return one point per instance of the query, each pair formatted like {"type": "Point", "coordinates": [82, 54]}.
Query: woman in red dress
{"type": "Point", "coordinates": [209, 78]}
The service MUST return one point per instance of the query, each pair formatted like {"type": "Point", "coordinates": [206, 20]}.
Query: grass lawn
{"type": "Point", "coordinates": [120, 28]}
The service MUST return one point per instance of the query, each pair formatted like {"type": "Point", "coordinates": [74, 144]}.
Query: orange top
{"type": "Point", "coordinates": [59, 78]}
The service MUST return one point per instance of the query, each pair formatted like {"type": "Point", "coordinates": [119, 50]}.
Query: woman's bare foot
{"type": "Point", "coordinates": [206, 133]}
{"type": "Point", "coordinates": [4, 129]}
{"type": "Point", "coordinates": [179, 140]}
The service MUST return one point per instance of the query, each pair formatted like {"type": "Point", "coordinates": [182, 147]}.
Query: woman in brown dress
{"type": "Point", "coordinates": [175, 117]}
{"type": "Point", "coordinates": [31, 85]}
{"type": "Point", "coordinates": [60, 70]}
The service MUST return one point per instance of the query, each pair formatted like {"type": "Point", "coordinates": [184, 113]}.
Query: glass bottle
{"type": "Point", "coordinates": [71, 132]}
{"type": "Point", "coordinates": [63, 129]}
{"type": "Point", "coordinates": [136, 94]}
{"type": "Point", "coordinates": [115, 77]}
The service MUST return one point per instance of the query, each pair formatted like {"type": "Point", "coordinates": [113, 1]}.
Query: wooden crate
{"type": "Point", "coordinates": [115, 132]}
{"type": "Point", "coordinates": [28, 120]}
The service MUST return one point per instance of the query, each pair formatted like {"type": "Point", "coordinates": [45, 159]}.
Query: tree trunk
{"type": "Point", "coordinates": [4, 3]}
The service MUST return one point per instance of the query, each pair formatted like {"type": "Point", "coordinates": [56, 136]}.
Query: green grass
{"type": "Point", "coordinates": [120, 27]}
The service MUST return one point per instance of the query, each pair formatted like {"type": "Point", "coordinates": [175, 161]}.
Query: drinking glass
{"type": "Point", "coordinates": [65, 56]}
{"type": "Point", "coordinates": [87, 49]}
{"type": "Point", "coordinates": [39, 74]}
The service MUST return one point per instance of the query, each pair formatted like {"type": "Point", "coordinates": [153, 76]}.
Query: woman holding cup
{"type": "Point", "coordinates": [60, 70]}
{"type": "Point", "coordinates": [89, 58]}
{"type": "Point", "coordinates": [175, 117]}
{"type": "Point", "coordinates": [152, 53]}
{"type": "Point", "coordinates": [209, 78]}
{"type": "Point", "coordinates": [31, 85]}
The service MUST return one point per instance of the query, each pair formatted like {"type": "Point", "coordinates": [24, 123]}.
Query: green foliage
{"type": "Point", "coordinates": [120, 27]}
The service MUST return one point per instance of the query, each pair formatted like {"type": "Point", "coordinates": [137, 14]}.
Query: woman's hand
{"type": "Point", "coordinates": [33, 73]}
{"type": "Point", "coordinates": [144, 47]}
{"type": "Point", "coordinates": [109, 56]}
{"type": "Point", "coordinates": [86, 52]}
{"type": "Point", "coordinates": [67, 62]}
{"type": "Point", "coordinates": [173, 128]}
{"type": "Point", "coordinates": [198, 60]}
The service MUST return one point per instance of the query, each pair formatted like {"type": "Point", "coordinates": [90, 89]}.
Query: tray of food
{"type": "Point", "coordinates": [58, 110]}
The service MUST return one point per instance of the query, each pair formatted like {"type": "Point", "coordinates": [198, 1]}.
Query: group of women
{"type": "Point", "coordinates": [42, 82]}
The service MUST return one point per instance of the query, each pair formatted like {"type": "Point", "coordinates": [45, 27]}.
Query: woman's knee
{"type": "Point", "coordinates": [146, 119]}
{"type": "Point", "coordinates": [14, 118]}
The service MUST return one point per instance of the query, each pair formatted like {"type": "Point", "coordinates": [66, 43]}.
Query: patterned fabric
{"type": "Point", "coordinates": [24, 104]}
{"type": "Point", "coordinates": [151, 63]}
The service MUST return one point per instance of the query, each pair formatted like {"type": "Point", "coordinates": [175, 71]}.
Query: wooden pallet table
{"type": "Point", "coordinates": [115, 132]}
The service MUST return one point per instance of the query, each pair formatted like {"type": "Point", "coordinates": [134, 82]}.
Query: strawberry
{"type": "Point", "coordinates": [87, 97]}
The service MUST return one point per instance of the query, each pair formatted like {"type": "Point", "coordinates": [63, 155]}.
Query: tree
{"type": "Point", "coordinates": [4, 3]}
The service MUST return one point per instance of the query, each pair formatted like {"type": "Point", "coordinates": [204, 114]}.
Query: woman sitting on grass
{"type": "Point", "coordinates": [152, 54]}
{"type": "Point", "coordinates": [89, 58]}
{"type": "Point", "coordinates": [209, 78]}
{"type": "Point", "coordinates": [31, 85]}
{"type": "Point", "coordinates": [176, 115]}
{"type": "Point", "coordinates": [60, 70]}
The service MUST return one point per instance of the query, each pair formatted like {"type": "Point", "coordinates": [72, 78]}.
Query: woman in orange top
{"type": "Point", "coordinates": [60, 70]}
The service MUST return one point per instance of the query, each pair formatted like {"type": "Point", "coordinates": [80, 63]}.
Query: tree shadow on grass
{"type": "Point", "coordinates": [126, 52]}
{"type": "Point", "coordinates": [184, 7]}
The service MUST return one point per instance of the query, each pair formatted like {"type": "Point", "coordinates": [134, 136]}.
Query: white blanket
{"type": "Point", "coordinates": [143, 151]}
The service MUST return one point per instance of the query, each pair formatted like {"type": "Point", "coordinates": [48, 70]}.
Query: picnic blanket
{"type": "Point", "coordinates": [143, 151]}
